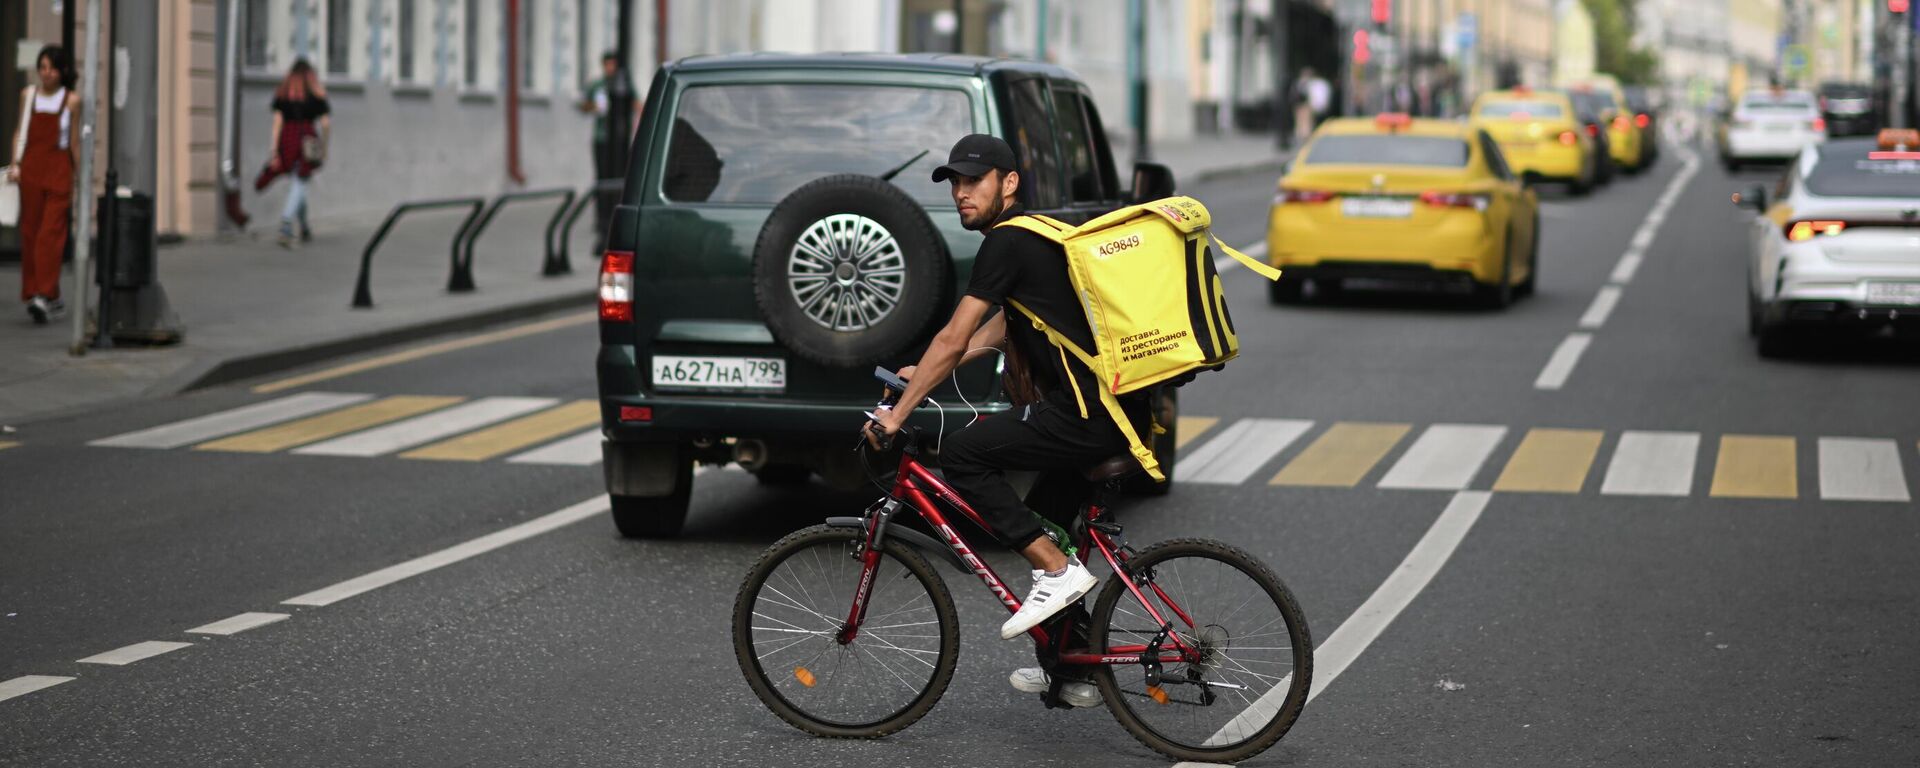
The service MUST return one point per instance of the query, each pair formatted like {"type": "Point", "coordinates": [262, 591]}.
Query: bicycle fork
{"type": "Point", "coordinates": [869, 555]}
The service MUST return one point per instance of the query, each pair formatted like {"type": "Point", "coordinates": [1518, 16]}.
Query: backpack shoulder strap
{"type": "Point", "coordinates": [1051, 229]}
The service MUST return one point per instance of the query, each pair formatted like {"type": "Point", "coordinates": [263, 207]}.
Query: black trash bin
{"type": "Point", "coordinates": [131, 262]}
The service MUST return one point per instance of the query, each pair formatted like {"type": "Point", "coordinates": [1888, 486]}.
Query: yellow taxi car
{"type": "Point", "coordinates": [1539, 135]}
{"type": "Point", "coordinates": [1627, 134]}
{"type": "Point", "coordinates": [1395, 200]}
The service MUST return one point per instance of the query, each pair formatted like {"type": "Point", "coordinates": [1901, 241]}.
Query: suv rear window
{"type": "Point", "coordinates": [1846, 169]}
{"type": "Point", "coordinates": [1388, 150]}
{"type": "Point", "coordinates": [1526, 108]}
{"type": "Point", "coordinates": [754, 143]}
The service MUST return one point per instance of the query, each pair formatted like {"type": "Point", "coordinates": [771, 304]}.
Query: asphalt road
{"type": "Point", "coordinates": [1670, 568]}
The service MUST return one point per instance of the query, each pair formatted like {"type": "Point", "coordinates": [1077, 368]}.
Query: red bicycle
{"type": "Point", "coordinates": [846, 630]}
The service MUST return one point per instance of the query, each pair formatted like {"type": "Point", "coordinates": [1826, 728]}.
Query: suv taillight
{"type": "Point", "coordinates": [616, 286]}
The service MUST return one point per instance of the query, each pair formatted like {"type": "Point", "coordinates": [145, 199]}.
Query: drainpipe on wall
{"type": "Point", "coordinates": [230, 119]}
{"type": "Point", "coordinates": [513, 93]}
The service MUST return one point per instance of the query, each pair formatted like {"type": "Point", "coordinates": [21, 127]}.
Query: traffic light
{"type": "Point", "coordinates": [1893, 6]}
{"type": "Point", "coordinates": [1383, 10]}
{"type": "Point", "coordinates": [1360, 51]}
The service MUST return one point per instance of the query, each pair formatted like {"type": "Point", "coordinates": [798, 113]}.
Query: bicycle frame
{"type": "Point", "coordinates": [916, 486]}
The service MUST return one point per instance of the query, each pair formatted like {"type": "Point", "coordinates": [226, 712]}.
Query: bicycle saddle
{"type": "Point", "coordinates": [1112, 469]}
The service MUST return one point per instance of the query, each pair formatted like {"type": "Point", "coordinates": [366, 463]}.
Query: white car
{"type": "Point", "coordinates": [1770, 125]}
{"type": "Point", "coordinates": [1837, 243]}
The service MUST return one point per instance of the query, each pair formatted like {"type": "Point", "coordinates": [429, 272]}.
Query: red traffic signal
{"type": "Point", "coordinates": [1360, 42]}
{"type": "Point", "coordinates": [1893, 6]}
{"type": "Point", "coordinates": [1383, 10]}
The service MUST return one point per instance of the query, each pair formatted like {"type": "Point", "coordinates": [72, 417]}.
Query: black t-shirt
{"type": "Point", "coordinates": [1018, 265]}
{"type": "Point", "coordinates": [309, 108]}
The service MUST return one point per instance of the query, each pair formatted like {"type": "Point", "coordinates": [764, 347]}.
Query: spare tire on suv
{"type": "Point", "coordinates": [849, 272]}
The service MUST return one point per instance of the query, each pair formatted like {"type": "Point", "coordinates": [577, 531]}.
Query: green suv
{"type": "Point", "coordinates": [778, 238]}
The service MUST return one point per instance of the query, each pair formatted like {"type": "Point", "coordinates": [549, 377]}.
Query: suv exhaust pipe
{"type": "Point", "coordinates": [750, 454]}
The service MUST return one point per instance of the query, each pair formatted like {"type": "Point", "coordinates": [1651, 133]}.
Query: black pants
{"type": "Point", "coordinates": [1044, 437]}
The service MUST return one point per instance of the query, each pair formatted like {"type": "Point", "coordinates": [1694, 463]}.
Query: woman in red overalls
{"type": "Point", "coordinates": [46, 147]}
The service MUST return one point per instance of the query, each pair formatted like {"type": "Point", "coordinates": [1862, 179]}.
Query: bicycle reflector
{"type": "Point", "coordinates": [1158, 694]}
{"type": "Point", "coordinates": [805, 677]}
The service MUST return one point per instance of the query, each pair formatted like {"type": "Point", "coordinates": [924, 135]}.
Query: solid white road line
{"type": "Point", "coordinates": [581, 450]}
{"type": "Point", "coordinates": [1560, 365]}
{"type": "Point", "coordinates": [1856, 469]}
{"type": "Point", "coordinates": [234, 625]}
{"type": "Point", "coordinates": [233, 420]}
{"type": "Point", "coordinates": [456, 553]}
{"type": "Point", "coordinates": [1652, 464]}
{"type": "Point", "coordinates": [1238, 451]}
{"type": "Point", "coordinates": [1446, 457]}
{"type": "Point", "coordinates": [1629, 264]}
{"type": "Point", "coordinates": [1344, 646]}
{"type": "Point", "coordinates": [121, 657]}
{"type": "Point", "coordinates": [25, 684]}
{"type": "Point", "coordinates": [429, 427]}
{"type": "Point", "coordinates": [1601, 308]}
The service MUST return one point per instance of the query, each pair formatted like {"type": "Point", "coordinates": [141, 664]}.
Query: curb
{"type": "Point", "coordinates": [1269, 165]}
{"type": "Point", "coordinates": [247, 366]}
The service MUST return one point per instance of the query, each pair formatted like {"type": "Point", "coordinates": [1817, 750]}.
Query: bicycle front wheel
{"type": "Point", "coordinates": [787, 624]}
{"type": "Point", "coordinates": [1254, 664]}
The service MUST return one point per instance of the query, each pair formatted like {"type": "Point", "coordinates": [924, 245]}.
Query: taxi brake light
{"type": "Point", "coordinates": [1454, 200]}
{"type": "Point", "coordinates": [1303, 196]}
{"type": "Point", "coordinates": [1620, 123]}
{"type": "Point", "coordinates": [1593, 129]}
{"type": "Point", "coordinates": [616, 286]}
{"type": "Point", "coordinates": [1818, 124]}
{"type": "Point", "coordinates": [1569, 138]}
{"type": "Point", "coordinates": [1641, 120]}
{"type": "Point", "coordinates": [1802, 231]}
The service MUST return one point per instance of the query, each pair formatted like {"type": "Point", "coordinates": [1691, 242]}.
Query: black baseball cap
{"type": "Point", "coordinates": [975, 154]}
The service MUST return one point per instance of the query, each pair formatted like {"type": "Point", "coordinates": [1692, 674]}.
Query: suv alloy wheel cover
{"type": "Point", "coordinates": [845, 271]}
{"type": "Point", "coordinates": [848, 271]}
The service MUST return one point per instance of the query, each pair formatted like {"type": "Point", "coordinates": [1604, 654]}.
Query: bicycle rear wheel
{"type": "Point", "coordinates": [1256, 656]}
{"type": "Point", "coordinates": [786, 625]}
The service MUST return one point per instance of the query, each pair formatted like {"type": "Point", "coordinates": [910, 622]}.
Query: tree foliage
{"type": "Point", "coordinates": [1614, 22]}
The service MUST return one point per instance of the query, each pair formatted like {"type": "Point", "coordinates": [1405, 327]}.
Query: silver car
{"type": "Point", "coordinates": [1771, 125]}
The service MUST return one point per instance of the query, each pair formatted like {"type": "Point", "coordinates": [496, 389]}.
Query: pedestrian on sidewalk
{"type": "Point", "coordinates": [301, 126]}
{"type": "Point", "coordinates": [1312, 98]}
{"type": "Point", "coordinates": [46, 148]}
{"type": "Point", "coordinates": [599, 103]}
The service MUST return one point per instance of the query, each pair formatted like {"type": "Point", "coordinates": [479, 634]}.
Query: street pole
{"type": "Point", "coordinates": [1902, 68]}
{"type": "Point", "coordinates": [83, 208]}
{"type": "Point", "coordinates": [1137, 76]}
{"type": "Point", "coordinates": [1282, 80]}
{"type": "Point", "coordinates": [1040, 31]}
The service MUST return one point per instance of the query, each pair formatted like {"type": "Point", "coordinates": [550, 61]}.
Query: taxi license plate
{"type": "Point", "coordinates": [1900, 294]}
{"type": "Point", "coordinates": [1376, 207]}
{"type": "Point", "coordinates": [748, 374]}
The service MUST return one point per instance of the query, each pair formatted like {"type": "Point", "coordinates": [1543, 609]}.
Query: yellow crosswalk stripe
{"type": "Point", "coordinates": [5, 444]}
{"type": "Point", "coordinates": [1189, 427]}
{"type": "Point", "coordinates": [1551, 461]}
{"type": "Point", "coordinates": [332, 424]}
{"type": "Point", "coordinates": [1343, 455]}
{"type": "Point", "coordinates": [1756, 467]}
{"type": "Point", "coordinates": [508, 436]}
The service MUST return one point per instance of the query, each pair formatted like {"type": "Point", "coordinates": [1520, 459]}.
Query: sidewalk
{"type": "Point", "coordinates": [1203, 158]}
{"type": "Point", "coordinates": [248, 307]}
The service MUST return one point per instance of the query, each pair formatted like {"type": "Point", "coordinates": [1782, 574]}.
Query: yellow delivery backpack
{"type": "Point", "coordinates": [1146, 279]}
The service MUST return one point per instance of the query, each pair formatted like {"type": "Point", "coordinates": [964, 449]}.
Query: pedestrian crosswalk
{"type": "Point", "coordinates": [1345, 454]}
{"type": "Point", "coordinates": [1277, 452]}
{"type": "Point", "coordinates": [525, 430]}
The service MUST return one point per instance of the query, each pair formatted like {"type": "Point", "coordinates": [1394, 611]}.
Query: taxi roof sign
{"type": "Point", "coordinates": [1393, 120]}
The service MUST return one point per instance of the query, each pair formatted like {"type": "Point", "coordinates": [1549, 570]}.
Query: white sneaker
{"type": "Point", "coordinates": [1050, 595]}
{"type": "Point", "coordinates": [1074, 693]}
{"type": "Point", "coordinates": [38, 310]}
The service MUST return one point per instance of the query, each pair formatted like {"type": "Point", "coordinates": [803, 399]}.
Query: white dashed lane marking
{"type": "Point", "coordinates": [120, 657]}
{"type": "Point", "coordinates": [25, 684]}
{"type": "Point", "coordinates": [234, 625]}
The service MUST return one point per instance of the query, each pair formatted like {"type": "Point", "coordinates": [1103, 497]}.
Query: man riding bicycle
{"type": "Point", "coordinates": [1049, 430]}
